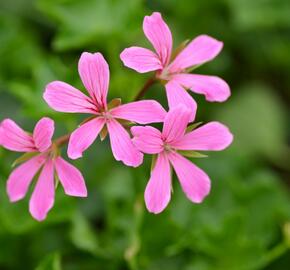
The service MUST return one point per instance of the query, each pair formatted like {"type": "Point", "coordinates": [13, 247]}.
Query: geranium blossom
{"type": "Point", "coordinates": [43, 157]}
{"type": "Point", "coordinates": [174, 69]}
{"type": "Point", "coordinates": [168, 145]}
{"type": "Point", "coordinates": [94, 73]}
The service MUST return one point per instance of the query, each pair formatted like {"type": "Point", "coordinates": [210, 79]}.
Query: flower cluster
{"type": "Point", "coordinates": [168, 147]}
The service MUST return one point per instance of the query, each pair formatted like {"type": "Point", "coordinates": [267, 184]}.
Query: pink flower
{"type": "Point", "coordinates": [94, 72]}
{"type": "Point", "coordinates": [174, 70]}
{"type": "Point", "coordinates": [41, 155]}
{"type": "Point", "coordinates": [168, 145]}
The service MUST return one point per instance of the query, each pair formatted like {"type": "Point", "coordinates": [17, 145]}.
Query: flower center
{"type": "Point", "coordinates": [52, 152]}
{"type": "Point", "coordinates": [163, 75]}
{"type": "Point", "coordinates": [167, 147]}
{"type": "Point", "coordinates": [106, 115]}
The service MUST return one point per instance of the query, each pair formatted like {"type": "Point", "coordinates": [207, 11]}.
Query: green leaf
{"type": "Point", "coordinates": [231, 228]}
{"type": "Point", "coordinates": [56, 180]}
{"type": "Point", "coordinates": [96, 20]}
{"type": "Point", "coordinates": [83, 236]}
{"type": "Point", "coordinates": [256, 117]}
{"type": "Point", "coordinates": [153, 162]}
{"type": "Point", "coordinates": [104, 133]}
{"type": "Point", "coordinates": [249, 15]}
{"type": "Point", "coordinates": [24, 158]}
{"type": "Point", "coordinates": [50, 262]}
{"type": "Point", "coordinates": [125, 123]}
{"type": "Point", "coordinates": [179, 49]}
{"type": "Point", "coordinates": [192, 154]}
{"type": "Point", "coordinates": [114, 103]}
{"type": "Point", "coordinates": [286, 233]}
{"type": "Point", "coordinates": [193, 126]}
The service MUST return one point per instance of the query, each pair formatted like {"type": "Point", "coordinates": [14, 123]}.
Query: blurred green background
{"type": "Point", "coordinates": [243, 224]}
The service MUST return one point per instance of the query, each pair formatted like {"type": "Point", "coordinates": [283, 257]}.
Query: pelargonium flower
{"type": "Point", "coordinates": [41, 155]}
{"type": "Point", "coordinates": [94, 73]}
{"type": "Point", "coordinates": [174, 69]}
{"type": "Point", "coordinates": [170, 145]}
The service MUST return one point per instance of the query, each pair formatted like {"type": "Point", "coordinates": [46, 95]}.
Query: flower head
{"type": "Point", "coordinates": [94, 73]}
{"type": "Point", "coordinates": [174, 70]}
{"type": "Point", "coordinates": [169, 145]}
{"type": "Point", "coordinates": [41, 155]}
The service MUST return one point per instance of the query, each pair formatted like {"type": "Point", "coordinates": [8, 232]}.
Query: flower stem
{"type": "Point", "coordinates": [62, 140]}
{"type": "Point", "coordinates": [133, 249]}
{"type": "Point", "coordinates": [273, 255]}
{"type": "Point", "coordinates": [144, 89]}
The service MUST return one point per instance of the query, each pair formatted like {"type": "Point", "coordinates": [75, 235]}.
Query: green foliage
{"type": "Point", "coordinates": [242, 225]}
{"type": "Point", "coordinates": [80, 24]}
{"type": "Point", "coordinates": [259, 130]}
{"type": "Point", "coordinates": [50, 262]}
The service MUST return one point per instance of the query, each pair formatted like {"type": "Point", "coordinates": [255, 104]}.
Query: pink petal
{"type": "Point", "coordinates": [140, 59]}
{"type": "Point", "coordinates": [42, 198]}
{"type": "Point", "coordinates": [63, 97]}
{"type": "Point", "coordinates": [147, 139]}
{"type": "Point", "coordinates": [15, 138]}
{"type": "Point", "coordinates": [200, 50]}
{"type": "Point", "coordinates": [158, 189]}
{"type": "Point", "coordinates": [122, 146]}
{"type": "Point", "coordinates": [43, 133]}
{"type": "Point", "coordinates": [178, 95]}
{"type": "Point", "coordinates": [213, 136]}
{"type": "Point", "coordinates": [20, 178]}
{"type": "Point", "coordinates": [142, 112]}
{"type": "Point", "coordinates": [95, 74]}
{"type": "Point", "coordinates": [70, 178]}
{"type": "Point", "coordinates": [175, 123]}
{"type": "Point", "coordinates": [159, 34]}
{"type": "Point", "coordinates": [82, 138]}
{"type": "Point", "coordinates": [214, 88]}
{"type": "Point", "coordinates": [195, 182]}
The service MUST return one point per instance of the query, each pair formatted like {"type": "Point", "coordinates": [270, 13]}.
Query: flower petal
{"type": "Point", "coordinates": [63, 97]}
{"type": "Point", "coordinates": [200, 50]}
{"type": "Point", "coordinates": [159, 34]}
{"type": "Point", "coordinates": [20, 178]}
{"type": "Point", "coordinates": [95, 74]}
{"type": "Point", "coordinates": [213, 136]}
{"type": "Point", "coordinates": [195, 182]}
{"type": "Point", "coordinates": [175, 123]}
{"type": "Point", "coordinates": [140, 59]}
{"type": "Point", "coordinates": [70, 178]}
{"type": "Point", "coordinates": [178, 95]}
{"type": "Point", "coordinates": [43, 133]}
{"type": "Point", "coordinates": [142, 112]}
{"type": "Point", "coordinates": [122, 146]}
{"type": "Point", "coordinates": [158, 189]}
{"type": "Point", "coordinates": [214, 88]}
{"type": "Point", "coordinates": [42, 198]}
{"type": "Point", "coordinates": [14, 138]}
{"type": "Point", "coordinates": [147, 139]}
{"type": "Point", "coordinates": [82, 138]}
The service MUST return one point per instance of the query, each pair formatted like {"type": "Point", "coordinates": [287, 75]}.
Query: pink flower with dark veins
{"type": "Point", "coordinates": [175, 69]}
{"type": "Point", "coordinates": [94, 72]}
{"type": "Point", "coordinates": [41, 156]}
{"type": "Point", "coordinates": [170, 145]}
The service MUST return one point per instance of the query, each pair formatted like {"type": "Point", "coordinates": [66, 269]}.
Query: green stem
{"type": "Point", "coordinates": [135, 245]}
{"type": "Point", "coordinates": [274, 254]}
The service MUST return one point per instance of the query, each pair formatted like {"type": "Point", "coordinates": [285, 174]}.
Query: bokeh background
{"type": "Point", "coordinates": [244, 224]}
